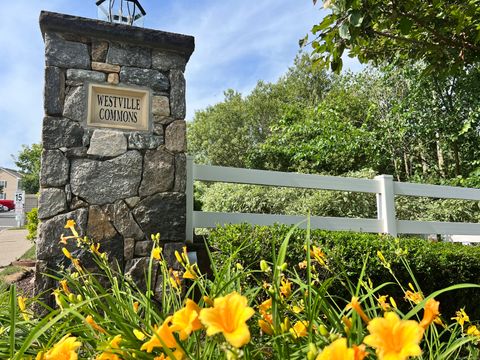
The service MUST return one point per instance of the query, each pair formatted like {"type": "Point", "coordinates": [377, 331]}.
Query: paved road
{"type": "Point", "coordinates": [13, 244]}
{"type": "Point", "coordinates": [7, 219]}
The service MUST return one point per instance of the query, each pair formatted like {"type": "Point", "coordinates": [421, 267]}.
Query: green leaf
{"type": "Point", "coordinates": [405, 25]}
{"type": "Point", "coordinates": [303, 42]}
{"type": "Point", "coordinates": [337, 65]}
{"type": "Point", "coordinates": [356, 18]}
{"type": "Point", "coordinates": [344, 32]}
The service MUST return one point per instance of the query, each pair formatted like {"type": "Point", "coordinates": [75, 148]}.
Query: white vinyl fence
{"type": "Point", "coordinates": [383, 186]}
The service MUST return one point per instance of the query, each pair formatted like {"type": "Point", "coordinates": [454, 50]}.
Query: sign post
{"type": "Point", "coordinates": [20, 208]}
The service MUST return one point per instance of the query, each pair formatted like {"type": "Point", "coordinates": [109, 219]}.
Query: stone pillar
{"type": "Point", "coordinates": [118, 183]}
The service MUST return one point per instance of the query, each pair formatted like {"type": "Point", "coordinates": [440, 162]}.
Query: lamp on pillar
{"type": "Point", "coordinates": [128, 12]}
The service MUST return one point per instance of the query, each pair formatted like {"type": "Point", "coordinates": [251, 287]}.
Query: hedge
{"type": "Point", "coordinates": [436, 265]}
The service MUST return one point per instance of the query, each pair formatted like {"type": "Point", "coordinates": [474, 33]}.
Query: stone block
{"type": "Point", "coordinates": [158, 130]}
{"type": "Point", "coordinates": [103, 182]}
{"type": "Point", "coordinates": [68, 193]}
{"type": "Point", "coordinates": [176, 136]}
{"type": "Point", "coordinates": [128, 55]}
{"type": "Point", "coordinates": [49, 233]}
{"type": "Point", "coordinates": [107, 143]}
{"type": "Point", "coordinates": [76, 104]}
{"type": "Point", "coordinates": [141, 141]}
{"type": "Point", "coordinates": [59, 132]}
{"type": "Point", "coordinates": [160, 106]}
{"type": "Point", "coordinates": [77, 203]}
{"type": "Point", "coordinates": [180, 173]}
{"type": "Point", "coordinates": [54, 91]}
{"type": "Point", "coordinates": [106, 68]}
{"type": "Point", "coordinates": [177, 94]}
{"type": "Point", "coordinates": [137, 269]}
{"type": "Point", "coordinates": [158, 172]}
{"type": "Point", "coordinates": [125, 223]}
{"type": "Point", "coordinates": [52, 201]}
{"type": "Point", "coordinates": [163, 213]}
{"type": "Point", "coordinates": [131, 202]}
{"type": "Point", "coordinates": [144, 77]}
{"type": "Point", "coordinates": [165, 61]}
{"type": "Point", "coordinates": [163, 120]}
{"type": "Point", "coordinates": [99, 227]}
{"type": "Point", "coordinates": [65, 54]}
{"type": "Point", "coordinates": [55, 169]}
{"type": "Point", "coordinates": [113, 79]}
{"type": "Point", "coordinates": [79, 76]}
{"type": "Point", "coordinates": [99, 51]}
{"type": "Point", "coordinates": [43, 286]}
{"type": "Point", "coordinates": [129, 249]}
{"type": "Point", "coordinates": [143, 248]}
{"type": "Point", "coordinates": [76, 152]}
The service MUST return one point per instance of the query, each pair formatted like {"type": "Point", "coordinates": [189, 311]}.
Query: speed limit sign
{"type": "Point", "coordinates": [19, 201]}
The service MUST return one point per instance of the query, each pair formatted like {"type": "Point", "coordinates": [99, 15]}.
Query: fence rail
{"type": "Point", "coordinates": [383, 186]}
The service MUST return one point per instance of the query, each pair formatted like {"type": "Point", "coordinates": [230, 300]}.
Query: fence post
{"type": "Point", "coordinates": [386, 204]}
{"type": "Point", "coordinates": [189, 194]}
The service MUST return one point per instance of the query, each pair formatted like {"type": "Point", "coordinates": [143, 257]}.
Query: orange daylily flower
{"type": "Point", "coordinates": [66, 349]}
{"type": "Point", "coordinates": [355, 305]}
{"type": "Point", "coordinates": [65, 288]}
{"type": "Point", "coordinates": [430, 312]}
{"type": "Point", "coordinates": [89, 320]}
{"type": "Point", "coordinates": [229, 315]}
{"type": "Point", "coordinates": [114, 344]}
{"type": "Point", "coordinates": [393, 338]}
{"type": "Point", "coordinates": [161, 335]}
{"type": "Point", "coordinates": [185, 321]}
{"type": "Point", "coordinates": [339, 350]}
{"type": "Point", "coordinates": [265, 326]}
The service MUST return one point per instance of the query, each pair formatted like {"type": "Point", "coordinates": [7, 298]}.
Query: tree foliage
{"type": "Point", "coordinates": [28, 162]}
{"type": "Point", "coordinates": [392, 120]}
{"type": "Point", "coordinates": [444, 34]}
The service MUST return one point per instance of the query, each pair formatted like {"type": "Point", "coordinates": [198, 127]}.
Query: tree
{"type": "Point", "coordinates": [28, 162]}
{"type": "Point", "coordinates": [444, 34]}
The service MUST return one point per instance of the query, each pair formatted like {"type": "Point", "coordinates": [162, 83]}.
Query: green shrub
{"type": "Point", "coordinates": [32, 224]}
{"type": "Point", "coordinates": [435, 265]}
{"type": "Point", "coordinates": [223, 197]}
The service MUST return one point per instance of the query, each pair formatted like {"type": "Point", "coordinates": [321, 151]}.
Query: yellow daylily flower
{"type": "Point", "coordinates": [67, 253]}
{"type": "Point", "coordinates": [71, 225]}
{"type": "Point", "coordinates": [229, 315]}
{"type": "Point", "coordinates": [136, 305]}
{"type": "Point", "coordinates": [286, 288]}
{"type": "Point", "coordinates": [139, 334]}
{"type": "Point", "coordinates": [156, 253]}
{"type": "Point", "coordinates": [23, 308]}
{"type": "Point", "coordinates": [393, 338]}
{"type": "Point", "coordinates": [473, 331]}
{"type": "Point", "coordinates": [66, 349]}
{"type": "Point", "coordinates": [299, 329]}
{"type": "Point", "coordinates": [382, 301]}
{"type": "Point", "coordinates": [185, 321]}
{"type": "Point", "coordinates": [461, 317]}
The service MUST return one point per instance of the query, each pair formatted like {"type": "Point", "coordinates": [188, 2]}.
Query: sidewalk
{"type": "Point", "coordinates": [13, 244]}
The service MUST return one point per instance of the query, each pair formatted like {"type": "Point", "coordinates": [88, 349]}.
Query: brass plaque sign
{"type": "Point", "coordinates": [118, 107]}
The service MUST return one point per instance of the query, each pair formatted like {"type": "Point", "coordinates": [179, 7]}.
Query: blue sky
{"type": "Point", "coordinates": [237, 44]}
